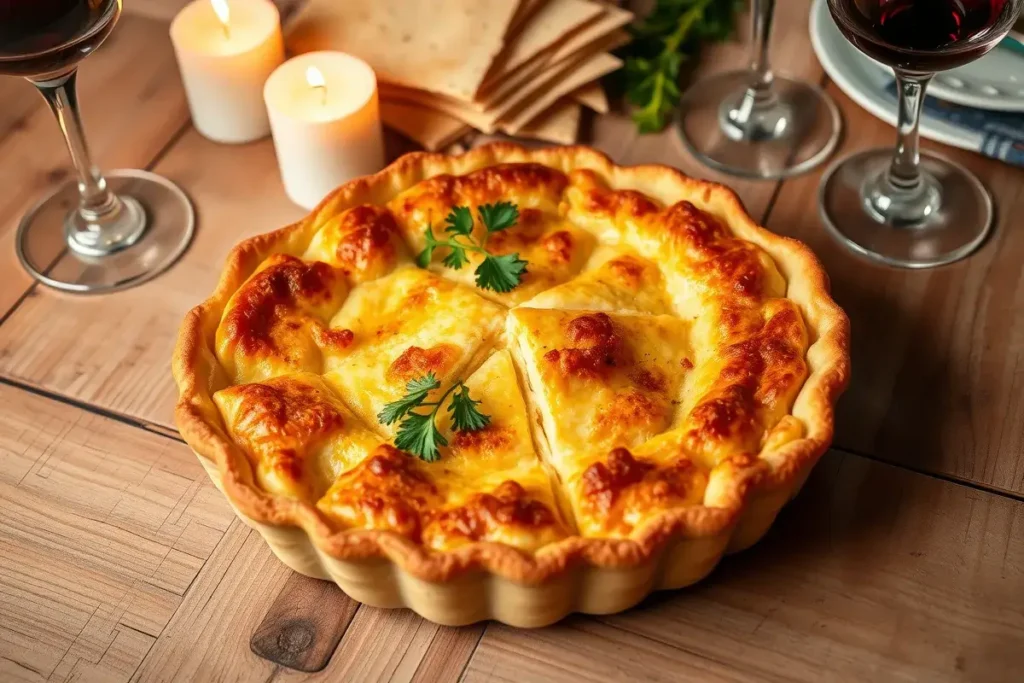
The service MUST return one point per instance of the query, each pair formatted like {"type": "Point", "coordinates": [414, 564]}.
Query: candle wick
{"type": "Point", "coordinates": [323, 94]}
{"type": "Point", "coordinates": [227, 31]}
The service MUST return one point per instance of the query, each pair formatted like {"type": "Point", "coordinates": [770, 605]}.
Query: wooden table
{"type": "Point", "coordinates": [903, 559]}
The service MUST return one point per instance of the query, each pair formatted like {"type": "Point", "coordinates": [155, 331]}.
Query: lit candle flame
{"type": "Point", "coordinates": [223, 12]}
{"type": "Point", "coordinates": [317, 82]}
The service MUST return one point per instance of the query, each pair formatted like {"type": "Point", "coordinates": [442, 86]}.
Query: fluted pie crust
{"type": "Point", "coordinates": [660, 384]}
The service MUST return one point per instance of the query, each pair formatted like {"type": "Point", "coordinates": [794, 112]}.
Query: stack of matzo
{"type": "Point", "coordinates": [522, 67]}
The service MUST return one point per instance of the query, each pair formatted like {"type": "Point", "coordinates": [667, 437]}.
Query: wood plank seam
{"type": "Point", "coordinates": [21, 666]}
{"type": "Point", "coordinates": [948, 478]}
{"type": "Point", "coordinates": [128, 420]}
{"type": "Point", "coordinates": [225, 538]}
{"type": "Point", "coordinates": [465, 666]}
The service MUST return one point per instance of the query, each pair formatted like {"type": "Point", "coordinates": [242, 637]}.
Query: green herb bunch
{"type": "Point", "coordinates": [417, 431]}
{"type": "Point", "coordinates": [497, 273]}
{"type": "Point", "coordinates": [671, 34]}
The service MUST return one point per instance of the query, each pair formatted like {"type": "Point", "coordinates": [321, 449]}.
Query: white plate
{"type": "Point", "coordinates": [994, 82]}
{"type": "Point", "coordinates": [867, 85]}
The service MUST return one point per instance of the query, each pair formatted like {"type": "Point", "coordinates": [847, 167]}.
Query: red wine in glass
{"type": "Point", "coordinates": [905, 206]}
{"type": "Point", "coordinates": [923, 36]}
{"type": "Point", "coordinates": [43, 37]}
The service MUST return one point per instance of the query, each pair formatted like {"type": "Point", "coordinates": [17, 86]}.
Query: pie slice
{"type": "Point", "coordinates": [498, 488]}
{"type": "Point", "coordinates": [299, 436]}
{"type": "Point", "coordinates": [615, 280]}
{"type": "Point", "coordinates": [599, 381]}
{"type": "Point", "coordinates": [489, 484]}
{"type": "Point", "coordinates": [403, 326]}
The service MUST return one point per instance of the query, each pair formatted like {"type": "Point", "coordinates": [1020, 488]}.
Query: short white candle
{"type": "Point", "coordinates": [325, 119]}
{"type": "Point", "coordinates": [226, 49]}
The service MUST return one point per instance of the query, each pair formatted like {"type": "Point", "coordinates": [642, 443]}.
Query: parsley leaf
{"type": "Point", "coordinates": [416, 393]}
{"type": "Point", "coordinates": [428, 251]}
{"type": "Point", "coordinates": [427, 382]}
{"type": "Point", "coordinates": [418, 435]}
{"type": "Point", "coordinates": [500, 273]}
{"type": "Point", "coordinates": [455, 259]}
{"type": "Point", "coordinates": [396, 410]}
{"type": "Point", "coordinates": [417, 432]}
{"type": "Point", "coordinates": [666, 38]}
{"type": "Point", "coordinates": [459, 221]}
{"type": "Point", "coordinates": [465, 416]}
{"type": "Point", "coordinates": [499, 216]}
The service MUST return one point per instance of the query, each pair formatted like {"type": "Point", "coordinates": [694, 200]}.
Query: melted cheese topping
{"type": "Point", "coordinates": [276, 322]}
{"type": "Point", "coordinates": [616, 280]}
{"type": "Point", "coordinates": [490, 486]}
{"type": "Point", "coordinates": [363, 242]}
{"type": "Point", "coordinates": [499, 489]}
{"type": "Point", "coordinates": [646, 349]}
{"type": "Point", "coordinates": [554, 248]}
{"type": "Point", "coordinates": [404, 326]}
{"type": "Point", "coordinates": [299, 435]}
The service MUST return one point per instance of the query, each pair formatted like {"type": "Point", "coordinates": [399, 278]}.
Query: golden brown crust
{"type": "Point", "coordinates": [385, 492]}
{"type": "Point", "coordinates": [508, 509]}
{"type": "Point", "coordinates": [621, 487]}
{"type": "Point", "coordinates": [631, 195]}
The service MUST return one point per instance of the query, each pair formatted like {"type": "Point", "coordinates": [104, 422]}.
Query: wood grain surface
{"type": "Point", "coordinates": [938, 354]}
{"type": "Point", "coordinates": [119, 561]}
{"type": "Point", "coordinates": [133, 71]}
{"type": "Point", "coordinates": [103, 529]}
{"type": "Point", "coordinates": [122, 562]}
{"type": "Point", "coordinates": [873, 573]}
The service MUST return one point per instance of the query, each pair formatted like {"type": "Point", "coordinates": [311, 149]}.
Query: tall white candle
{"type": "Point", "coordinates": [325, 119]}
{"type": "Point", "coordinates": [226, 49]}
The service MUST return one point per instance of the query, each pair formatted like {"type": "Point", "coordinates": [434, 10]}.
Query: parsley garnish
{"type": "Point", "coordinates": [671, 34]}
{"type": "Point", "coordinates": [417, 432]}
{"type": "Point", "coordinates": [497, 273]}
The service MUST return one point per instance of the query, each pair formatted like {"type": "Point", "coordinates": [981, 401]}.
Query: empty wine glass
{"type": "Point", "coordinates": [900, 206]}
{"type": "Point", "coordinates": [754, 123]}
{"type": "Point", "coordinates": [118, 229]}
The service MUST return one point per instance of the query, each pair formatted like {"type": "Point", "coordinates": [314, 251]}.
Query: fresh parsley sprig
{"type": "Point", "coordinates": [417, 432]}
{"type": "Point", "coordinates": [499, 273]}
{"type": "Point", "coordinates": [670, 35]}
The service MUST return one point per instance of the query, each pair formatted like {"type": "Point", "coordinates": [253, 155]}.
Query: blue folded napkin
{"type": "Point", "coordinates": [999, 134]}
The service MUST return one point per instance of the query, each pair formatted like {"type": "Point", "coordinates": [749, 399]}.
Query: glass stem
{"type": "Point", "coordinates": [755, 115]}
{"type": "Point", "coordinates": [902, 195]}
{"type": "Point", "coordinates": [761, 14]}
{"type": "Point", "coordinates": [98, 204]}
{"type": "Point", "coordinates": [904, 174]}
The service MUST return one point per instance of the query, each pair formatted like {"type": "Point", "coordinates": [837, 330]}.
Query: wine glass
{"type": "Point", "coordinates": [902, 207]}
{"type": "Point", "coordinates": [754, 123]}
{"type": "Point", "coordinates": [120, 229]}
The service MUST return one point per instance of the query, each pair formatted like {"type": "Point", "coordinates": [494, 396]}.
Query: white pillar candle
{"type": "Point", "coordinates": [226, 49]}
{"type": "Point", "coordinates": [325, 119]}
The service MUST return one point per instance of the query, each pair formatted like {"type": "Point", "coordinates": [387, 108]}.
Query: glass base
{"type": "Point", "coordinates": [946, 222]}
{"type": "Point", "coordinates": [44, 249]}
{"type": "Point", "coordinates": [120, 231]}
{"type": "Point", "coordinates": [788, 130]}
